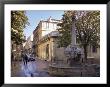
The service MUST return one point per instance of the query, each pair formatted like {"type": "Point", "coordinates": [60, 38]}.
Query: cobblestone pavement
{"type": "Point", "coordinates": [36, 68]}
{"type": "Point", "coordinates": [39, 68]}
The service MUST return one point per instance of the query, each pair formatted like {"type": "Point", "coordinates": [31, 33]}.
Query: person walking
{"type": "Point", "coordinates": [25, 59]}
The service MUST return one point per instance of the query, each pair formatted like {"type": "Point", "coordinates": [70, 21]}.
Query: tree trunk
{"type": "Point", "coordinates": [85, 53]}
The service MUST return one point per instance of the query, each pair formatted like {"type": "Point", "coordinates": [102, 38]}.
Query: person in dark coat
{"type": "Point", "coordinates": [25, 59]}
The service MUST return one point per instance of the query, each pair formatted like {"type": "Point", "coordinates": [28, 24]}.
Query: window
{"type": "Point", "coordinates": [94, 49]}
{"type": "Point", "coordinates": [47, 51]}
{"type": "Point", "coordinates": [47, 25]}
{"type": "Point", "coordinates": [44, 25]}
{"type": "Point", "coordinates": [50, 25]}
{"type": "Point", "coordinates": [53, 25]}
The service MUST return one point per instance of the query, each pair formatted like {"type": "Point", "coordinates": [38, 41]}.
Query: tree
{"type": "Point", "coordinates": [65, 29]}
{"type": "Point", "coordinates": [19, 21]}
{"type": "Point", "coordinates": [87, 29]}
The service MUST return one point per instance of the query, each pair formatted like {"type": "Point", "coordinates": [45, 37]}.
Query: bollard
{"type": "Point", "coordinates": [32, 75]}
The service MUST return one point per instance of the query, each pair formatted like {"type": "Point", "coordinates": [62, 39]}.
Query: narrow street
{"type": "Point", "coordinates": [36, 68]}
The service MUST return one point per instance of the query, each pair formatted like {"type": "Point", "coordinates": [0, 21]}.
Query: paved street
{"type": "Point", "coordinates": [36, 68]}
{"type": "Point", "coordinates": [39, 68]}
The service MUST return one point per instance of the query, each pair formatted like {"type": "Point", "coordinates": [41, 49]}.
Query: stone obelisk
{"type": "Point", "coordinates": [73, 38]}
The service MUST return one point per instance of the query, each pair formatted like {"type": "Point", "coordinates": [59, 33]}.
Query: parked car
{"type": "Point", "coordinates": [31, 59]}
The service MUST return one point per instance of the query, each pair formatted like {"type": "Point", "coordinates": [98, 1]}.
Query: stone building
{"type": "Point", "coordinates": [44, 38]}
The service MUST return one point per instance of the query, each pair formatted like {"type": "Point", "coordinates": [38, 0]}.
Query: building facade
{"type": "Point", "coordinates": [44, 35]}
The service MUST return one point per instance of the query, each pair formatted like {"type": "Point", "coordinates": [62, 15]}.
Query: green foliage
{"type": "Point", "coordinates": [88, 28]}
{"type": "Point", "coordinates": [18, 22]}
{"type": "Point", "coordinates": [65, 29]}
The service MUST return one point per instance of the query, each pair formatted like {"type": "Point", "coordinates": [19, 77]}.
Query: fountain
{"type": "Point", "coordinates": [73, 52]}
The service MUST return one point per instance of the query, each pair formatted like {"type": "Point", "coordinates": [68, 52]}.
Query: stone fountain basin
{"type": "Point", "coordinates": [64, 70]}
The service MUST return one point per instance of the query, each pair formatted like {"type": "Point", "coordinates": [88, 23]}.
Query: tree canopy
{"type": "Point", "coordinates": [88, 28]}
{"type": "Point", "coordinates": [65, 29]}
{"type": "Point", "coordinates": [19, 21]}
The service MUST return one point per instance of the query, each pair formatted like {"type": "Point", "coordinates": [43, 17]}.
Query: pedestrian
{"type": "Point", "coordinates": [25, 59]}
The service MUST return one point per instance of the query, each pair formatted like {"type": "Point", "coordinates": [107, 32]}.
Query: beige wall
{"type": "Point", "coordinates": [60, 53]}
{"type": "Point", "coordinates": [42, 50]}
{"type": "Point", "coordinates": [53, 50]}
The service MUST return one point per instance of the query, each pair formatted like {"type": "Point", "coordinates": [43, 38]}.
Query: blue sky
{"type": "Point", "coordinates": [34, 16]}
